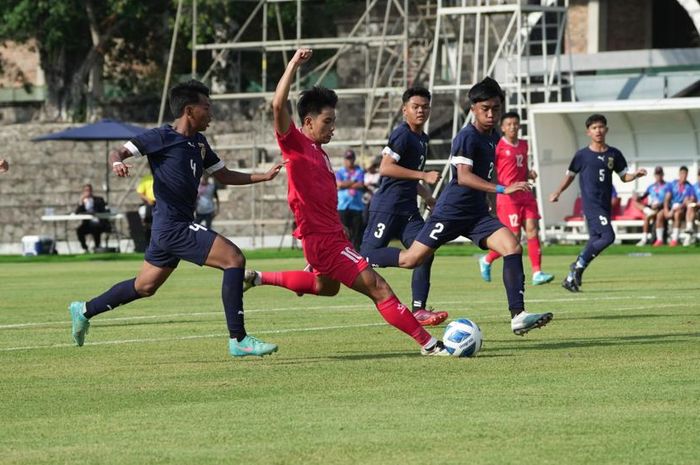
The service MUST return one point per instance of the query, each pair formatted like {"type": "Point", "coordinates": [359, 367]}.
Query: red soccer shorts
{"type": "Point", "coordinates": [513, 210]}
{"type": "Point", "coordinates": [333, 256]}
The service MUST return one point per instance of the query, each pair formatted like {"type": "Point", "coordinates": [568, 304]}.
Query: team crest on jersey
{"type": "Point", "coordinates": [611, 162]}
{"type": "Point", "coordinates": [202, 149]}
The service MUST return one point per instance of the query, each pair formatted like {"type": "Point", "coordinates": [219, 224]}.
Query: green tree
{"type": "Point", "coordinates": [75, 39]}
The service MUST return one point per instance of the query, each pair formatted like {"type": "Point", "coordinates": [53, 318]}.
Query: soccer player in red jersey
{"type": "Point", "coordinates": [313, 199]}
{"type": "Point", "coordinates": [520, 208]}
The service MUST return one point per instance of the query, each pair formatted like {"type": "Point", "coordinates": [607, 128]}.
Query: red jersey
{"type": "Point", "coordinates": [311, 189]}
{"type": "Point", "coordinates": [511, 162]}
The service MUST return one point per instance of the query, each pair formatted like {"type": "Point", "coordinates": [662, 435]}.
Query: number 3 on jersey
{"type": "Point", "coordinates": [379, 232]}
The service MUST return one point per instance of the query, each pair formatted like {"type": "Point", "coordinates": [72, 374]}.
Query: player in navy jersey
{"type": "Point", "coordinates": [393, 212]}
{"type": "Point", "coordinates": [461, 210]}
{"type": "Point", "coordinates": [594, 165]}
{"type": "Point", "coordinates": [178, 156]}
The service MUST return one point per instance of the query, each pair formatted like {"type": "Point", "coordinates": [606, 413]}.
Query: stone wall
{"type": "Point", "coordinates": [50, 175]}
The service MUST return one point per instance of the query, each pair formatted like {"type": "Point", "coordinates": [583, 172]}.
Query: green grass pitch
{"type": "Point", "coordinates": [614, 379]}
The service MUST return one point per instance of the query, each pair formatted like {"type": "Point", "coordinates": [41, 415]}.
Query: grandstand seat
{"type": "Point", "coordinates": [577, 214]}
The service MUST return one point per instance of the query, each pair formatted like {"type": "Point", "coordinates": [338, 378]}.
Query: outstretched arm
{"type": "Point", "coordinates": [282, 118]}
{"type": "Point", "coordinates": [632, 176]}
{"type": "Point", "coordinates": [116, 159]}
{"type": "Point", "coordinates": [566, 182]}
{"type": "Point", "coordinates": [465, 177]}
{"type": "Point", "coordinates": [236, 178]}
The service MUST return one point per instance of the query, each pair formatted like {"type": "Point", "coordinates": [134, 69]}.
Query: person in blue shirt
{"type": "Point", "coordinates": [350, 180]}
{"type": "Point", "coordinates": [394, 210]}
{"type": "Point", "coordinates": [178, 156]}
{"type": "Point", "coordinates": [679, 195]}
{"type": "Point", "coordinates": [650, 203]}
{"type": "Point", "coordinates": [594, 164]}
{"type": "Point", "coordinates": [462, 210]}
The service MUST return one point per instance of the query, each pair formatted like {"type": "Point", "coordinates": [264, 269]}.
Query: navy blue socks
{"type": "Point", "coordinates": [120, 294]}
{"type": "Point", "coordinates": [514, 280]}
{"type": "Point", "coordinates": [232, 295]}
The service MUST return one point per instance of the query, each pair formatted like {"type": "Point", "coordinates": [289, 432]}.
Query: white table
{"type": "Point", "coordinates": [65, 219]}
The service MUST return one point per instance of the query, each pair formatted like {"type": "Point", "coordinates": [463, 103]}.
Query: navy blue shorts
{"type": "Point", "coordinates": [437, 232]}
{"type": "Point", "coordinates": [186, 241]}
{"type": "Point", "coordinates": [382, 227]}
{"type": "Point", "coordinates": [598, 224]}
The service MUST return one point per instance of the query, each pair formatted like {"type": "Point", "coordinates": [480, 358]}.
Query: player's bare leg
{"type": "Point", "coordinates": [505, 243]}
{"type": "Point", "coordinates": [226, 256]}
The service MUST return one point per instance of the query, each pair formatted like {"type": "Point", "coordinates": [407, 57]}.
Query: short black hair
{"type": "Point", "coordinates": [413, 91]}
{"type": "Point", "coordinates": [510, 114]}
{"type": "Point", "coordinates": [596, 118]}
{"type": "Point", "coordinates": [487, 89]}
{"type": "Point", "coordinates": [313, 101]}
{"type": "Point", "coordinates": [683, 168]}
{"type": "Point", "coordinates": [186, 93]}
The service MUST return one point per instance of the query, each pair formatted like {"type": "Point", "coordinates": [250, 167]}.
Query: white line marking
{"type": "Point", "coordinates": [320, 307]}
{"type": "Point", "coordinates": [185, 338]}
{"type": "Point", "coordinates": [290, 330]}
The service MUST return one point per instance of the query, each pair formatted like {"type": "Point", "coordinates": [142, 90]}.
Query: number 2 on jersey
{"type": "Point", "coordinates": [436, 230]}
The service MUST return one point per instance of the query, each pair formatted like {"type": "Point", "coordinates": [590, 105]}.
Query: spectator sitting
{"type": "Point", "coordinates": [695, 206]}
{"type": "Point", "coordinates": [90, 204]}
{"type": "Point", "coordinates": [372, 179]}
{"type": "Point", "coordinates": [679, 194]}
{"type": "Point", "coordinates": [148, 199]}
{"type": "Point", "coordinates": [350, 180]}
{"type": "Point", "coordinates": [207, 202]}
{"type": "Point", "coordinates": [650, 203]}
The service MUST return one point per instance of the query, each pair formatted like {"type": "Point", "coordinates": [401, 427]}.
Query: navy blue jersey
{"type": "Point", "coordinates": [177, 163]}
{"type": "Point", "coordinates": [595, 170]}
{"type": "Point", "coordinates": [398, 196]}
{"type": "Point", "coordinates": [477, 150]}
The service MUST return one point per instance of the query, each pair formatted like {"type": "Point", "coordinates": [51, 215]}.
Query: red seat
{"type": "Point", "coordinates": [628, 213]}
{"type": "Point", "coordinates": [578, 211]}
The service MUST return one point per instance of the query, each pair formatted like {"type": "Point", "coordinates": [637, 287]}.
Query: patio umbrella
{"type": "Point", "coordinates": [106, 130]}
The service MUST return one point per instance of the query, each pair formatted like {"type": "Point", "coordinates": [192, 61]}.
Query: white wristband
{"type": "Point", "coordinates": [117, 163]}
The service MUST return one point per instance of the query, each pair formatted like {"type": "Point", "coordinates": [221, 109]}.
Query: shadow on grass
{"type": "Point", "coordinates": [671, 338]}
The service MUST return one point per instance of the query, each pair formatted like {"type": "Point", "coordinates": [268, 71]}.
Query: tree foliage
{"type": "Point", "coordinates": [79, 41]}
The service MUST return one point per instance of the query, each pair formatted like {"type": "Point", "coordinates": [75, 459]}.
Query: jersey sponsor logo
{"type": "Point", "coordinates": [601, 158]}
{"type": "Point", "coordinates": [190, 144]}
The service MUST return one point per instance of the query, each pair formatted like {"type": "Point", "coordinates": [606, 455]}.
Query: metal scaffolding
{"type": "Point", "coordinates": [502, 39]}
{"type": "Point", "coordinates": [445, 45]}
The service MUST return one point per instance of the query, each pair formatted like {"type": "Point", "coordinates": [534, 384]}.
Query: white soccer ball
{"type": "Point", "coordinates": [462, 338]}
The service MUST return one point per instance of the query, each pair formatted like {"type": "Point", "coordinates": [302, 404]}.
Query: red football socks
{"type": "Point", "coordinates": [301, 282]}
{"type": "Point", "coordinates": [491, 256]}
{"type": "Point", "coordinates": [535, 253]}
{"type": "Point", "coordinates": [401, 318]}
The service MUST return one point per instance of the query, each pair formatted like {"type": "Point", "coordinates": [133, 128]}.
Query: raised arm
{"type": "Point", "coordinates": [282, 118]}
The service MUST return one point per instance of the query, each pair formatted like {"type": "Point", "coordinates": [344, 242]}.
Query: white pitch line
{"type": "Point", "coordinates": [185, 338]}
{"type": "Point", "coordinates": [276, 331]}
{"type": "Point", "coordinates": [320, 307]}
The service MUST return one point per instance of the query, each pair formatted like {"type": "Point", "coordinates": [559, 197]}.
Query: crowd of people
{"type": "Point", "coordinates": [667, 207]}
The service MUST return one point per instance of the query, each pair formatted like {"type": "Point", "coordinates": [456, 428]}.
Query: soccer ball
{"type": "Point", "coordinates": [462, 338]}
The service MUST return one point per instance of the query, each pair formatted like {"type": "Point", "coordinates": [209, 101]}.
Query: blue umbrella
{"type": "Point", "coordinates": [105, 130]}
